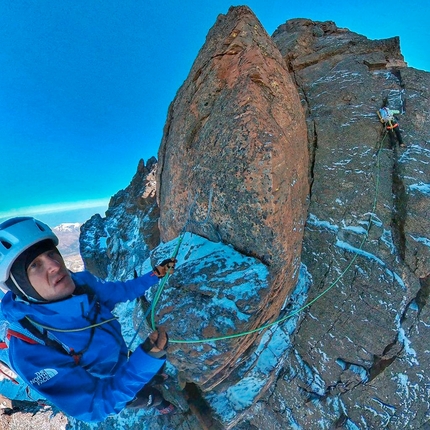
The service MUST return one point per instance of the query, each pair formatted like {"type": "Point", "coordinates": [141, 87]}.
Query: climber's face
{"type": "Point", "coordinates": [49, 276]}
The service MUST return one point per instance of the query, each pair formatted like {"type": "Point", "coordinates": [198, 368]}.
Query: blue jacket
{"type": "Point", "coordinates": [104, 380]}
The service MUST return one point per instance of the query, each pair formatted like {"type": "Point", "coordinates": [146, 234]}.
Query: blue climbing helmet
{"type": "Point", "coordinates": [22, 237]}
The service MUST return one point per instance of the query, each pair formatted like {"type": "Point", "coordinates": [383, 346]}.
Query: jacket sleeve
{"type": "Point", "coordinates": [75, 391]}
{"type": "Point", "coordinates": [112, 293]}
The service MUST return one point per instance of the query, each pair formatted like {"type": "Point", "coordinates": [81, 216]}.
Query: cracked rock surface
{"type": "Point", "coordinates": [360, 358]}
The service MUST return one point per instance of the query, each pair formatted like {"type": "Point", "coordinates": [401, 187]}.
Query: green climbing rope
{"type": "Point", "coordinates": [71, 330]}
{"type": "Point", "coordinates": [290, 315]}
{"type": "Point", "coordinates": [164, 280]}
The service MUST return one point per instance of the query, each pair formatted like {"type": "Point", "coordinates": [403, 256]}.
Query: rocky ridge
{"type": "Point", "coordinates": [237, 130]}
{"type": "Point", "coordinates": [291, 115]}
{"type": "Point", "coordinates": [112, 246]}
{"type": "Point", "coordinates": [359, 356]}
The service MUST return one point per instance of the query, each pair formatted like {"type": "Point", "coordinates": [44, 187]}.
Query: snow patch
{"type": "Point", "coordinates": [347, 247]}
{"type": "Point", "coordinates": [267, 357]}
{"type": "Point", "coordinates": [420, 187]}
{"type": "Point", "coordinates": [407, 347]}
{"type": "Point", "coordinates": [424, 240]}
{"type": "Point", "coordinates": [387, 240]}
{"type": "Point", "coordinates": [314, 221]}
{"type": "Point", "coordinates": [242, 394]}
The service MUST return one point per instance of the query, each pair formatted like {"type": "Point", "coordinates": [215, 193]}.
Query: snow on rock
{"type": "Point", "coordinates": [365, 239]}
{"type": "Point", "coordinates": [215, 292]}
{"type": "Point", "coordinates": [112, 246]}
{"type": "Point", "coordinates": [261, 365]}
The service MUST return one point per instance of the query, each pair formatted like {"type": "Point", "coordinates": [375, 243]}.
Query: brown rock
{"type": "Point", "coordinates": [233, 162]}
{"type": "Point", "coordinates": [236, 129]}
{"type": "Point", "coordinates": [363, 342]}
{"type": "Point", "coordinates": [233, 168]}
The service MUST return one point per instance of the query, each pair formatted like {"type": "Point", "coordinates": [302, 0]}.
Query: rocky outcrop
{"type": "Point", "coordinates": [359, 358]}
{"type": "Point", "coordinates": [233, 152]}
{"type": "Point", "coordinates": [112, 247]}
{"type": "Point", "coordinates": [233, 165]}
{"type": "Point", "coordinates": [304, 43]}
{"type": "Point", "coordinates": [258, 124]}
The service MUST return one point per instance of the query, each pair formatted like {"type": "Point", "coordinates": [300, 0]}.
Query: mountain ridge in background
{"type": "Point", "coordinates": [68, 236]}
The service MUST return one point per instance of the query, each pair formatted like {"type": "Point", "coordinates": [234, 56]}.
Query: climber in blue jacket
{"type": "Point", "coordinates": [63, 339]}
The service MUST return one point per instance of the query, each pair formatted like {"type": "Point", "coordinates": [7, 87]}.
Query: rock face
{"type": "Point", "coordinates": [259, 124]}
{"type": "Point", "coordinates": [111, 247]}
{"type": "Point", "coordinates": [235, 144]}
{"type": "Point", "coordinates": [214, 293]}
{"type": "Point", "coordinates": [359, 358]}
{"type": "Point", "coordinates": [233, 163]}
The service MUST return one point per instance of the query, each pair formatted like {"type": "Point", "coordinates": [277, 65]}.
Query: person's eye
{"type": "Point", "coordinates": [33, 265]}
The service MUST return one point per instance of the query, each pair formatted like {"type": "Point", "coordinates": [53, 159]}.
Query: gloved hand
{"type": "Point", "coordinates": [156, 343]}
{"type": "Point", "coordinates": [166, 266]}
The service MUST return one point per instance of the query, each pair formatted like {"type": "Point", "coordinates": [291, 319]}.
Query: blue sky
{"type": "Point", "coordinates": [85, 84]}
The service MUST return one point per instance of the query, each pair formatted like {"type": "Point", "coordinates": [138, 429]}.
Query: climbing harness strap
{"type": "Point", "coordinates": [12, 333]}
{"type": "Point", "coordinates": [41, 333]}
{"type": "Point", "coordinates": [392, 125]}
{"type": "Point", "coordinates": [45, 339]}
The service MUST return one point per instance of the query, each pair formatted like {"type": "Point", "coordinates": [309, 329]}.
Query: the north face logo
{"type": "Point", "coordinates": [43, 376]}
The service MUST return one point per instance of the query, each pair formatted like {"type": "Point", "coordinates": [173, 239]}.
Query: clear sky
{"type": "Point", "coordinates": [85, 84]}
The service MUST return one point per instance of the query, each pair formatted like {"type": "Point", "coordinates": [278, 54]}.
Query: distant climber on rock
{"type": "Point", "coordinates": [64, 341]}
{"type": "Point", "coordinates": [386, 116]}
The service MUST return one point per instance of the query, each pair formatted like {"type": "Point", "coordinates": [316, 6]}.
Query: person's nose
{"type": "Point", "coordinates": [52, 265]}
